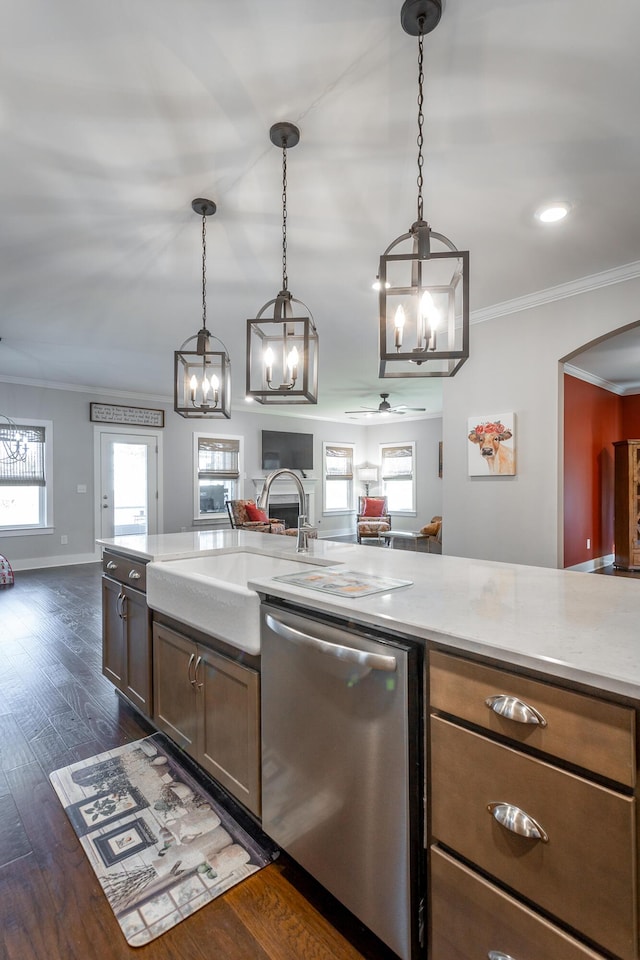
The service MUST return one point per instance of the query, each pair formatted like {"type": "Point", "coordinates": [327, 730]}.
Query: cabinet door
{"type": "Point", "coordinates": [471, 919]}
{"type": "Point", "coordinates": [588, 833]}
{"type": "Point", "coordinates": [137, 650]}
{"type": "Point", "coordinates": [174, 693]}
{"type": "Point", "coordinates": [229, 733]}
{"type": "Point", "coordinates": [113, 658]}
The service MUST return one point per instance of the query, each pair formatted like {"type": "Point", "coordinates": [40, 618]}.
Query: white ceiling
{"type": "Point", "coordinates": [114, 116]}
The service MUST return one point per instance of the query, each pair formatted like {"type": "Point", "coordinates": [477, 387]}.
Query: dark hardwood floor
{"type": "Point", "coordinates": [610, 571]}
{"type": "Point", "coordinates": [56, 708]}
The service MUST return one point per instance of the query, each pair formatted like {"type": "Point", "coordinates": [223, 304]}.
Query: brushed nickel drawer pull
{"type": "Point", "coordinates": [514, 709]}
{"type": "Point", "coordinates": [189, 665]}
{"type": "Point", "coordinates": [198, 685]}
{"type": "Point", "coordinates": [134, 575]}
{"type": "Point", "coordinates": [517, 821]}
{"type": "Point", "coordinates": [111, 565]}
{"type": "Point", "coordinates": [498, 955]}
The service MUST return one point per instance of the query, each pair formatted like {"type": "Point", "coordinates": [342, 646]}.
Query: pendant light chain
{"type": "Point", "coordinates": [285, 279]}
{"type": "Point", "coordinates": [204, 271]}
{"type": "Point", "coordinates": [420, 119]}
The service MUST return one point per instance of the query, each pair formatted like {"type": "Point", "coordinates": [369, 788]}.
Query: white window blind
{"type": "Point", "coordinates": [17, 470]}
{"type": "Point", "coordinates": [338, 462]}
{"type": "Point", "coordinates": [218, 459]}
{"type": "Point", "coordinates": [397, 463]}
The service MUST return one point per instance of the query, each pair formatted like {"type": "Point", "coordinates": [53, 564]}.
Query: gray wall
{"type": "Point", "coordinates": [73, 464]}
{"type": "Point", "coordinates": [73, 513]}
{"type": "Point", "coordinates": [178, 457]}
{"type": "Point", "coordinates": [514, 367]}
{"type": "Point", "coordinates": [427, 435]}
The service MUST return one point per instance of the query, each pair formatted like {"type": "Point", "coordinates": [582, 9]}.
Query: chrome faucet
{"type": "Point", "coordinates": [304, 529]}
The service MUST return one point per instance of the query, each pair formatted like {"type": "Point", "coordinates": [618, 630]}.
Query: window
{"type": "Point", "coordinates": [25, 465]}
{"type": "Point", "coordinates": [398, 476]}
{"type": "Point", "coordinates": [217, 474]}
{"type": "Point", "coordinates": [338, 477]}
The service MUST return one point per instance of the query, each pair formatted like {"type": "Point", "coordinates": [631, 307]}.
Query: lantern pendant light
{"type": "Point", "coordinates": [282, 348]}
{"type": "Point", "coordinates": [422, 278]}
{"type": "Point", "coordinates": [202, 377]}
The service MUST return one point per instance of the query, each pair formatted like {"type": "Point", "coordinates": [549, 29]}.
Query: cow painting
{"type": "Point", "coordinates": [495, 455]}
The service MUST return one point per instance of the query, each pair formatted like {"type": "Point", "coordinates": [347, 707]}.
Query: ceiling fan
{"type": "Point", "coordinates": [385, 407]}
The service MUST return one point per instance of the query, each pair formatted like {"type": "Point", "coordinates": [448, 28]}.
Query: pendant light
{"type": "Point", "coordinates": [202, 376]}
{"type": "Point", "coordinates": [282, 348]}
{"type": "Point", "coordinates": [423, 280]}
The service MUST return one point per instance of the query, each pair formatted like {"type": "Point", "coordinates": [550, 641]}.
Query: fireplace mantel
{"type": "Point", "coordinates": [286, 487]}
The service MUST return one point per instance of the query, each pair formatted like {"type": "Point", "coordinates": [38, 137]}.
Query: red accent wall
{"type": "Point", "coordinates": [631, 418]}
{"type": "Point", "coordinates": [593, 419]}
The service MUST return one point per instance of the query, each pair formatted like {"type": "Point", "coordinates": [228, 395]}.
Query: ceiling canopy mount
{"type": "Point", "coordinates": [284, 135]}
{"type": "Point", "coordinates": [204, 208]}
{"type": "Point", "coordinates": [420, 16]}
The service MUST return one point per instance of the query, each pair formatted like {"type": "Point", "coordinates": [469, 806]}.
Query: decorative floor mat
{"type": "Point", "coordinates": [161, 846]}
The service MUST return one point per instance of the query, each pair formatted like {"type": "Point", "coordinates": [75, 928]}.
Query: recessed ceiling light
{"type": "Point", "coordinates": [552, 212]}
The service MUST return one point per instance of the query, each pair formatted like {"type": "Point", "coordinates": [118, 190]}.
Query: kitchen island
{"type": "Point", "coordinates": [529, 721]}
{"type": "Point", "coordinates": [576, 626]}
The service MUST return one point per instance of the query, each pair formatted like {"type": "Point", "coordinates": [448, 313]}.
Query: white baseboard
{"type": "Point", "coordinates": [590, 565]}
{"type": "Point", "coordinates": [330, 534]}
{"type": "Point", "coordinates": [41, 563]}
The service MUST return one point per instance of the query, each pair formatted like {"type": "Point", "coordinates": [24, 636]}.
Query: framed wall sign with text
{"type": "Point", "coordinates": [137, 416]}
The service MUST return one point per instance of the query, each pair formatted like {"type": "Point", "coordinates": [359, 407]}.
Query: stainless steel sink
{"type": "Point", "coordinates": [212, 593]}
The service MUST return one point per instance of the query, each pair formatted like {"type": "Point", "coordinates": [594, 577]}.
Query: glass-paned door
{"type": "Point", "coordinates": [128, 484]}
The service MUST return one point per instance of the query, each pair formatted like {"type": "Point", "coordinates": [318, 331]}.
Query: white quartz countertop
{"type": "Point", "coordinates": [576, 626]}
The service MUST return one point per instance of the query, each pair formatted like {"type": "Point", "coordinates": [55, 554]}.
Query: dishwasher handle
{"type": "Point", "coordinates": [375, 661]}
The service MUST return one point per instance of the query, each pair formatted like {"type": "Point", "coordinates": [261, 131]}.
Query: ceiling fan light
{"type": "Point", "coordinates": [384, 407]}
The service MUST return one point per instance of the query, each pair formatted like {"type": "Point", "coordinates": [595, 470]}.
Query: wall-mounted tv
{"type": "Point", "coordinates": [282, 449]}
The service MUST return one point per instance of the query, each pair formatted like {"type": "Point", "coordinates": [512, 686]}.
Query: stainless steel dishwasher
{"type": "Point", "coordinates": [340, 765]}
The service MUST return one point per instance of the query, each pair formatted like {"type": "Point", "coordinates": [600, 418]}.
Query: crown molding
{"type": "Point", "coordinates": [628, 271]}
{"type": "Point", "coordinates": [593, 379]}
{"type": "Point", "coordinates": [600, 382]}
{"type": "Point", "coordinates": [82, 388]}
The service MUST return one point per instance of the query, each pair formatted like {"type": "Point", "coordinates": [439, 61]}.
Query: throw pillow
{"type": "Point", "coordinates": [255, 514]}
{"type": "Point", "coordinates": [431, 529]}
{"type": "Point", "coordinates": [373, 507]}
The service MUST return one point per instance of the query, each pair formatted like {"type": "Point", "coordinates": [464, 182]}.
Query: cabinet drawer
{"type": "Point", "coordinates": [470, 918]}
{"type": "Point", "coordinates": [588, 732]}
{"type": "Point", "coordinates": [585, 875]}
{"type": "Point", "coordinates": [125, 570]}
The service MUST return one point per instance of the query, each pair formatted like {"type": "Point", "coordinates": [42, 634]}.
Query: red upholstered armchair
{"type": "Point", "coordinates": [241, 513]}
{"type": "Point", "coordinates": [372, 519]}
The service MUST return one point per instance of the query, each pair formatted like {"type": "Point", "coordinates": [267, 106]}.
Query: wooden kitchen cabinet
{"type": "Point", "coordinates": [627, 505]}
{"type": "Point", "coordinates": [209, 704]}
{"type": "Point", "coordinates": [495, 777]}
{"type": "Point", "coordinates": [582, 730]}
{"type": "Point", "coordinates": [126, 642]}
{"type": "Point", "coordinates": [472, 918]}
